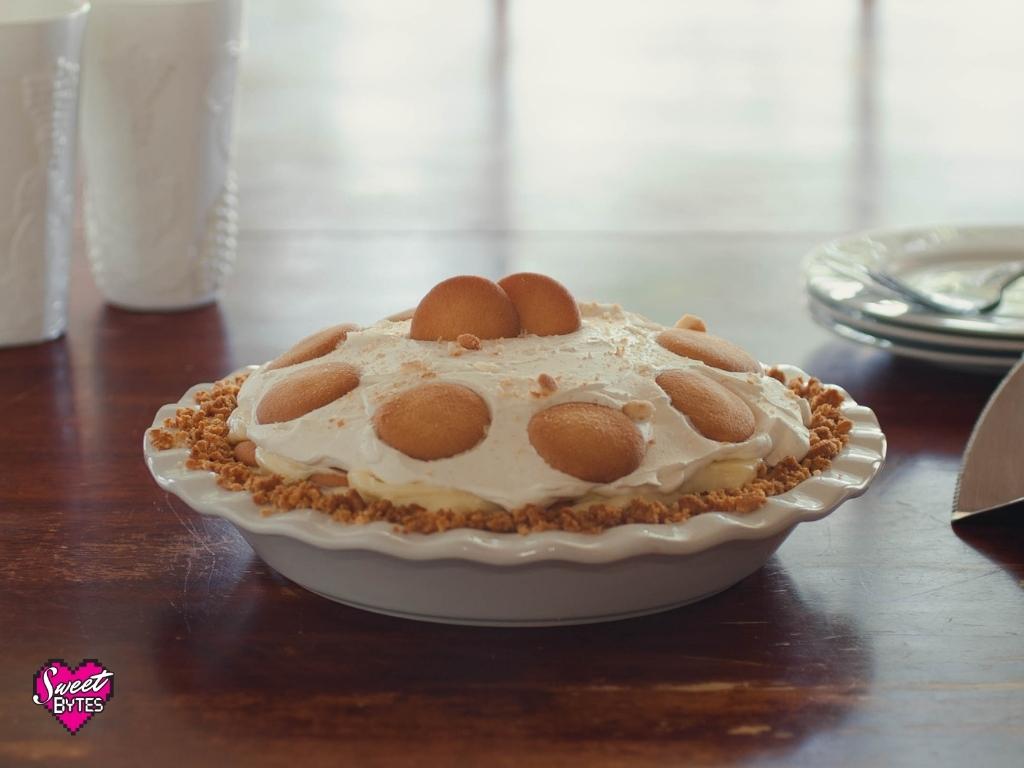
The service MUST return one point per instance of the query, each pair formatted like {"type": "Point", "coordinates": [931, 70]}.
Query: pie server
{"type": "Point", "coordinates": [993, 468]}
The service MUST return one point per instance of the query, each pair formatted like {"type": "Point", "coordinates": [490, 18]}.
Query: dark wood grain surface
{"type": "Point", "coordinates": [674, 157]}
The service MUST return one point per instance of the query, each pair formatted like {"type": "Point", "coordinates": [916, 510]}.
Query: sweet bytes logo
{"type": "Point", "coordinates": [73, 695]}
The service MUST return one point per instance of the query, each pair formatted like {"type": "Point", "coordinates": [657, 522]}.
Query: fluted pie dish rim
{"type": "Point", "coordinates": [849, 475]}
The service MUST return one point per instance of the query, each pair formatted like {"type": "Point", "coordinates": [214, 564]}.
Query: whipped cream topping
{"type": "Point", "coordinates": [612, 360]}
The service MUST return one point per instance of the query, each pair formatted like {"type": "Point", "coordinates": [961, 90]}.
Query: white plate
{"type": "Point", "coordinates": [466, 576]}
{"type": "Point", "coordinates": [969, 345]}
{"type": "Point", "coordinates": [921, 256]}
{"type": "Point", "coordinates": [945, 357]}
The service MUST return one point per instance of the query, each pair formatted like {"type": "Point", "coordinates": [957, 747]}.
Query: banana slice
{"type": "Point", "coordinates": [431, 498]}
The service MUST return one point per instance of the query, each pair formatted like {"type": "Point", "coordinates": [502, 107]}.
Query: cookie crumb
{"type": "Point", "coordinates": [468, 341]}
{"type": "Point", "coordinates": [638, 410]}
{"type": "Point", "coordinates": [161, 439]}
{"type": "Point", "coordinates": [547, 383]}
{"type": "Point", "coordinates": [691, 323]}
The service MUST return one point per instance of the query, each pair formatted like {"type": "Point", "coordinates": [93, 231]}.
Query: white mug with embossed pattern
{"type": "Point", "coordinates": [40, 47]}
{"type": "Point", "coordinates": [157, 115]}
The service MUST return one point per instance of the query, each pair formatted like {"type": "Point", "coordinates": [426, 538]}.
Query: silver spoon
{"type": "Point", "coordinates": [977, 292]}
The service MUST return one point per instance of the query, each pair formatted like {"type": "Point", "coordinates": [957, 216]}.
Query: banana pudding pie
{"type": "Point", "coordinates": [508, 407]}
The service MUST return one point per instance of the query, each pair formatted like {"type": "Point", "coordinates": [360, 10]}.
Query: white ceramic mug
{"type": "Point", "coordinates": [157, 115]}
{"type": "Point", "coordinates": [40, 48]}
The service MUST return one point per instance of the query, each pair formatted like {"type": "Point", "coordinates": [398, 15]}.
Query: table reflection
{"type": "Point", "coordinates": [764, 651]}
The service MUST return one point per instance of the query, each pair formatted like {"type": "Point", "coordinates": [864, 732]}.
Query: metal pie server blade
{"type": "Point", "coordinates": [992, 475]}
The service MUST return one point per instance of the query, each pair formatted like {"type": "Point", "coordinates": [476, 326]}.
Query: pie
{"type": "Point", "coordinates": [509, 407]}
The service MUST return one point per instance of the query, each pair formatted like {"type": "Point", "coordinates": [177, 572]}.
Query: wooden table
{"type": "Point", "coordinates": [677, 159]}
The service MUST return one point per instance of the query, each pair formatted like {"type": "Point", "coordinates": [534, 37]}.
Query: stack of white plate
{"type": "Point", "coordinates": [851, 305]}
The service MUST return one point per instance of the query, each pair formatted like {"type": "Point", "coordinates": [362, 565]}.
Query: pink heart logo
{"type": "Point", "coordinates": [73, 695]}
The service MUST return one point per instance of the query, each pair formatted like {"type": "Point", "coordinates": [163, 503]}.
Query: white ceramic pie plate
{"type": "Point", "coordinates": [467, 576]}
